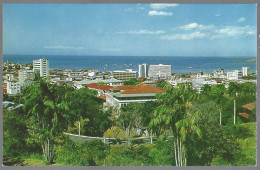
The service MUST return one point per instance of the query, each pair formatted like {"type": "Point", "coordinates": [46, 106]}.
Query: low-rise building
{"type": "Point", "coordinates": [122, 95]}
{"type": "Point", "coordinates": [218, 74]}
{"type": "Point", "coordinates": [13, 87]}
{"type": "Point", "coordinates": [102, 90]}
{"type": "Point", "coordinates": [25, 74]}
{"type": "Point", "coordinates": [124, 75]}
{"type": "Point", "coordinates": [110, 82]}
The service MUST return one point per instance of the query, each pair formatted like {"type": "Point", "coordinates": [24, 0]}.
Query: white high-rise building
{"type": "Point", "coordinates": [42, 66]}
{"type": "Point", "coordinates": [143, 70]}
{"type": "Point", "coordinates": [234, 75]}
{"type": "Point", "coordinates": [160, 71]}
{"type": "Point", "coordinates": [245, 71]}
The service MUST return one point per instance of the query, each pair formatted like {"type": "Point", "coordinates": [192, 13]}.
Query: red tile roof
{"type": "Point", "coordinates": [143, 88]}
{"type": "Point", "coordinates": [4, 90]}
{"type": "Point", "coordinates": [124, 87]}
{"type": "Point", "coordinates": [61, 82]}
{"type": "Point", "coordinates": [95, 86]}
{"type": "Point", "coordinates": [102, 97]}
{"type": "Point", "coordinates": [245, 115]}
{"type": "Point", "coordinates": [249, 106]}
{"type": "Point", "coordinates": [28, 80]}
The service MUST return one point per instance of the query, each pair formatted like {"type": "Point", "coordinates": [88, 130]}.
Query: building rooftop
{"type": "Point", "coordinates": [138, 89]}
{"type": "Point", "coordinates": [83, 82]}
{"type": "Point", "coordinates": [96, 86]}
{"type": "Point", "coordinates": [249, 106]}
{"type": "Point", "coordinates": [119, 95]}
{"type": "Point", "coordinates": [123, 87]}
{"type": "Point", "coordinates": [143, 88]}
{"type": "Point", "coordinates": [245, 115]}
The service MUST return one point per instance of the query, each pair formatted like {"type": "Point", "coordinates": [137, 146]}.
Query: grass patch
{"type": "Point", "coordinates": [247, 154]}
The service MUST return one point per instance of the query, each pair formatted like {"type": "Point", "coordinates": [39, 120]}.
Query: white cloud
{"type": "Point", "coordinates": [63, 47]}
{"type": "Point", "coordinates": [232, 31]}
{"type": "Point", "coordinates": [162, 6]}
{"type": "Point", "coordinates": [188, 36]}
{"type": "Point", "coordinates": [152, 13]}
{"type": "Point", "coordinates": [210, 32]}
{"type": "Point", "coordinates": [196, 26]}
{"type": "Point", "coordinates": [143, 32]}
{"type": "Point", "coordinates": [242, 19]}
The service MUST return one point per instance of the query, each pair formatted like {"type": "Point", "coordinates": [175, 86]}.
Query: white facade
{"type": "Point", "coordinates": [234, 75]}
{"type": "Point", "coordinates": [41, 65]}
{"type": "Point", "coordinates": [13, 87]}
{"type": "Point", "coordinates": [9, 77]}
{"type": "Point", "coordinates": [25, 74]}
{"type": "Point", "coordinates": [245, 71]}
{"type": "Point", "coordinates": [124, 75]}
{"type": "Point", "coordinates": [113, 100]}
{"type": "Point", "coordinates": [160, 71]}
{"type": "Point", "coordinates": [218, 73]}
{"type": "Point", "coordinates": [143, 70]}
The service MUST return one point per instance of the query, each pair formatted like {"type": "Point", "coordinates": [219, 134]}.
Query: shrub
{"type": "Point", "coordinates": [87, 154]}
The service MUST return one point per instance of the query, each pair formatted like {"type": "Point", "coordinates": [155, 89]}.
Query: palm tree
{"type": "Point", "coordinates": [173, 105]}
{"type": "Point", "coordinates": [47, 110]}
{"type": "Point", "coordinates": [186, 128]}
{"type": "Point", "coordinates": [79, 106]}
{"type": "Point", "coordinates": [233, 89]}
{"type": "Point", "coordinates": [130, 119]}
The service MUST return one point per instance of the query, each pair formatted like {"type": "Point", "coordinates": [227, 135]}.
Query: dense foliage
{"type": "Point", "coordinates": [188, 128]}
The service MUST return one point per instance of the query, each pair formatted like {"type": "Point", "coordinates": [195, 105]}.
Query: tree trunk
{"type": "Point", "coordinates": [79, 126]}
{"type": "Point", "coordinates": [234, 111]}
{"type": "Point", "coordinates": [175, 153]}
{"type": "Point", "coordinates": [47, 148]}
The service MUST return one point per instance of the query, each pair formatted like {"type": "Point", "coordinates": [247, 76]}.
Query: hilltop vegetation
{"type": "Point", "coordinates": [186, 124]}
{"type": "Point", "coordinates": [253, 60]}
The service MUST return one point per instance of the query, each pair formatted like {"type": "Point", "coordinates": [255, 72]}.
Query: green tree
{"type": "Point", "coordinates": [81, 103]}
{"type": "Point", "coordinates": [214, 140]}
{"type": "Point", "coordinates": [15, 133]}
{"type": "Point", "coordinates": [47, 110]}
{"type": "Point", "coordinates": [172, 107]}
{"type": "Point", "coordinates": [217, 94]}
{"type": "Point", "coordinates": [132, 81]}
{"type": "Point", "coordinates": [130, 119]}
{"type": "Point", "coordinates": [101, 83]}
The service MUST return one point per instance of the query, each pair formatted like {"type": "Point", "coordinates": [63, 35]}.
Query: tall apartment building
{"type": "Point", "coordinates": [25, 74]}
{"type": "Point", "coordinates": [160, 71]}
{"type": "Point", "coordinates": [42, 66]}
{"type": "Point", "coordinates": [234, 75]}
{"type": "Point", "coordinates": [245, 71]}
{"type": "Point", "coordinates": [124, 75]}
{"type": "Point", "coordinates": [143, 70]}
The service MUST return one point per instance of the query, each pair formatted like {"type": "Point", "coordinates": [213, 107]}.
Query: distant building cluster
{"type": "Point", "coordinates": [21, 75]}
{"type": "Point", "coordinates": [108, 84]}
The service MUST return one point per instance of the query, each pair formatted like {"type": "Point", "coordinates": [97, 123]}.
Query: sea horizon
{"type": "Point", "coordinates": [180, 64]}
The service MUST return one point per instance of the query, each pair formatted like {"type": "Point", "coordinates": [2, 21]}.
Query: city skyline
{"type": "Point", "coordinates": [130, 29]}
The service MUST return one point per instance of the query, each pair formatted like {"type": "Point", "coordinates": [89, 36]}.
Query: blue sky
{"type": "Point", "coordinates": [130, 29]}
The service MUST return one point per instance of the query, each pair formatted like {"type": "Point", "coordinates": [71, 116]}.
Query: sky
{"type": "Point", "coordinates": [130, 29]}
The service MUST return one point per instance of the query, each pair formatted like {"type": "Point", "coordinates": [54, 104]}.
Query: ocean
{"type": "Point", "coordinates": [112, 63]}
